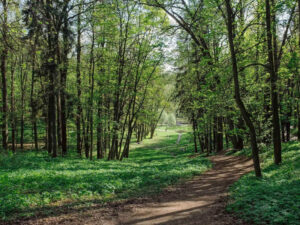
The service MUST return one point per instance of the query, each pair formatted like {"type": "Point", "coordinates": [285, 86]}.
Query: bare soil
{"type": "Point", "coordinates": [201, 200]}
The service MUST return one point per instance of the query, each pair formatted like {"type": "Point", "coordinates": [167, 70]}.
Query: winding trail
{"type": "Point", "coordinates": [200, 201]}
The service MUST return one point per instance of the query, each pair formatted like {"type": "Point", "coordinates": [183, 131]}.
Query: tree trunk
{"type": "Point", "coordinates": [283, 124]}
{"type": "Point", "coordinates": [78, 77]}
{"type": "Point", "coordinates": [12, 111]}
{"type": "Point", "coordinates": [194, 133]}
{"type": "Point", "coordinates": [239, 137]}
{"type": "Point", "coordinates": [92, 62]}
{"type": "Point", "coordinates": [63, 80]}
{"type": "Point", "coordinates": [215, 133]}
{"type": "Point", "coordinates": [3, 76]}
{"type": "Point", "coordinates": [51, 61]}
{"type": "Point", "coordinates": [272, 58]}
{"type": "Point", "coordinates": [220, 134]}
{"type": "Point", "coordinates": [23, 79]}
{"type": "Point", "coordinates": [32, 101]}
{"type": "Point", "coordinates": [49, 128]}
{"type": "Point", "coordinates": [63, 116]}
{"type": "Point", "coordinates": [52, 115]}
{"type": "Point", "coordinates": [58, 109]}
{"type": "Point", "coordinates": [290, 109]}
{"type": "Point", "coordinates": [245, 114]}
{"type": "Point", "coordinates": [210, 139]}
{"type": "Point", "coordinates": [298, 105]}
{"type": "Point", "coordinates": [298, 125]}
{"type": "Point", "coordinates": [100, 144]}
{"type": "Point", "coordinates": [232, 137]}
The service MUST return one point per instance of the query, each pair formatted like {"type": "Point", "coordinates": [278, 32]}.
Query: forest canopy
{"type": "Point", "coordinates": [88, 75]}
{"type": "Point", "coordinates": [87, 79]}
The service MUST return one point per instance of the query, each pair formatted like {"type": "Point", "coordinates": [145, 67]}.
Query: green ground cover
{"type": "Point", "coordinates": [274, 199]}
{"type": "Point", "coordinates": [31, 181]}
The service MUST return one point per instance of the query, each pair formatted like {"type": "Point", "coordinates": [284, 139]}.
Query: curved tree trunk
{"type": "Point", "coordinates": [239, 102]}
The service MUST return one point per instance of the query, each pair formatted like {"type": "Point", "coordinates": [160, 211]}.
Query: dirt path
{"type": "Point", "coordinates": [199, 201]}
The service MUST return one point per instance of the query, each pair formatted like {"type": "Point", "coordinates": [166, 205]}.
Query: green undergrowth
{"type": "Point", "coordinates": [33, 181]}
{"type": "Point", "coordinates": [275, 198]}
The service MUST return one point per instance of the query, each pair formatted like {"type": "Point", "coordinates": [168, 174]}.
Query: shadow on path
{"type": "Point", "coordinates": [201, 200]}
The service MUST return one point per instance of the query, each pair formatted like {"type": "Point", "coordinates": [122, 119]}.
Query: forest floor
{"type": "Point", "coordinates": [273, 199]}
{"type": "Point", "coordinates": [201, 200]}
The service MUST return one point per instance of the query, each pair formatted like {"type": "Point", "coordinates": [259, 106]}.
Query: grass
{"type": "Point", "coordinates": [274, 199]}
{"type": "Point", "coordinates": [33, 181]}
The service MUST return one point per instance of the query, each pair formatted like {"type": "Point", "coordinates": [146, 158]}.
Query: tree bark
{"type": "Point", "coordinates": [12, 110]}
{"type": "Point", "coordinates": [23, 79]}
{"type": "Point", "coordinates": [272, 58]}
{"type": "Point", "coordinates": [239, 137]}
{"type": "Point", "coordinates": [232, 137]}
{"type": "Point", "coordinates": [100, 144]}
{"type": "Point", "coordinates": [32, 101]}
{"type": "Point", "coordinates": [298, 112]}
{"type": "Point", "coordinates": [63, 77]}
{"type": "Point", "coordinates": [92, 62]}
{"type": "Point", "coordinates": [194, 133]}
{"type": "Point", "coordinates": [3, 76]}
{"type": "Point", "coordinates": [220, 134]}
{"type": "Point", "coordinates": [52, 86]}
{"type": "Point", "coordinates": [78, 77]}
{"type": "Point", "coordinates": [245, 114]}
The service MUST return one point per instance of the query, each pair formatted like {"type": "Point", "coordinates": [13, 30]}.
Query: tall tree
{"type": "Point", "coordinates": [246, 116]}
{"type": "Point", "coordinates": [78, 77]}
{"type": "Point", "coordinates": [274, 59]}
{"type": "Point", "coordinates": [4, 54]}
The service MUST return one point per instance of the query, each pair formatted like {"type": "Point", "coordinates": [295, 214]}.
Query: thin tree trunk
{"type": "Point", "coordinates": [32, 102]}
{"type": "Point", "coordinates": [63, 81]}
{"type": "Point", "coordinates": [78, 76]}
{"type": "Point", "coordinates": [12, 111]}
{"type": "Point", "coordinates": [290, 109]}
{"type": "Point", "coordinates": [215, 133]}
{"type": "Point", "coordinates": [240, 104]}
{"type": "Point", "coordinates": [194, 133]}
{"type": "Point", "coordinates": [272, 58]}
{"type": "Point", "coordinates": [23, 79]}
{"type": "Point", "coordinates": [92, 93]}
{"type": "Point", "coordinates": [100, 146]}
{"type": "Point", "coordinates": [232, 137]}
{"type": "Point", "coordinates": [210, 145]}
{"type": "Point", "coordinates": [298, 113]}
{"type": "Point", "coordinates": [283, 124]}
{"type": "Point", "coordinates": [63, 115]}
{"type": "Point", "coordinates": [3, 76]}
{"type": "Point", "coordinates": [239, 137]}
{"type": "Point", "coordinates": [220, 134]}
{"type": "Point", "coordinates": [58, 109]}
{"type": "Point", "coordinates": [85, 136]}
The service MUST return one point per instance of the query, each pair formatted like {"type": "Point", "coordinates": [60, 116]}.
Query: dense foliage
{"type": "Point", "coordinates": [80, 75]}
{"type": "Point", "coordinates": [238, 72]}
{"type": "Point", "coordinates": [85, 79]}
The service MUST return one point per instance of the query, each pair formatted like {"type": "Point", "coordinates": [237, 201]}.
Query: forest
{"type": "Point", "coordinates": [150, 112]}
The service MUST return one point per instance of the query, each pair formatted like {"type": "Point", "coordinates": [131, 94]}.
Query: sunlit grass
{"type": "Point", "coordinates": [274, 199]}
{"type": "Point", "coordinates": [30, 181]}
